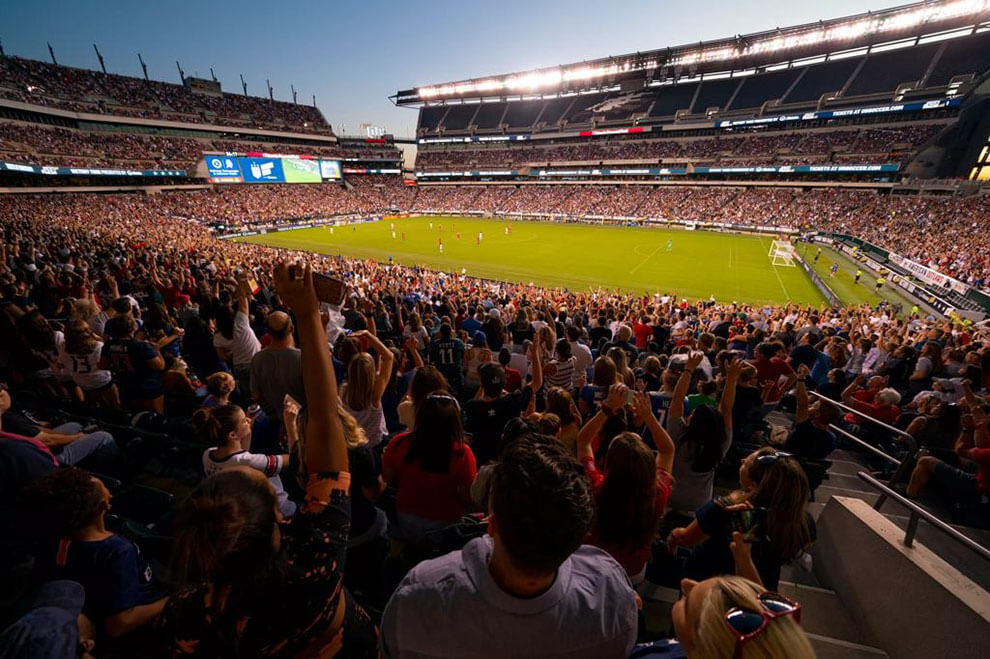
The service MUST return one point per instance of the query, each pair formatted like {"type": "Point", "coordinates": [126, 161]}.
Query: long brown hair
{"type": "Point", "coordinates": [782, 488]}
{"type": "Point", "coordinates": [625, 504]}
{"type": "Point", "coordinates": [359, 388]}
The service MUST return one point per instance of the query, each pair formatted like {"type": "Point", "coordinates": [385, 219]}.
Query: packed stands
{"type": "Point", "coordinates": [80, 90]}
{"type": "Point", "coordinates": [796, 147]}
{"type": "Point", "coordinates": [81, 269]}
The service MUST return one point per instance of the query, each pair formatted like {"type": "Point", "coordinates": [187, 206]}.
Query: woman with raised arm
{"type": "Point", "coordinates": [365, 386]}
{"type": "Point", "coordinates": [249, 583]}
{"type": "Point", "coordinates": [632, 489]}
{"type": "Point", "coordinates": [702, 439]}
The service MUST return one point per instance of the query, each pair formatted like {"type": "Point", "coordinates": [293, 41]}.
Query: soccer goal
{"type": "Point", "coordinates": [782, 252]}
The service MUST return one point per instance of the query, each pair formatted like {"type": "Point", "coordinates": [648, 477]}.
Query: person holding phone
{"type": "Point", "coordinates": [771, 480]}
{"type": "Point", "coordinates": [631, 491]}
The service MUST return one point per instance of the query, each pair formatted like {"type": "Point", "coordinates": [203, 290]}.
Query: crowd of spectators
{"type": "Point", "coordinates": [468, 457]}
{"type": "Point", "coordinates": [797, 147]}
{"type": "Point", "coordinates": [45, 145]}
{"type": "Point", "coordinates": [41, 83]}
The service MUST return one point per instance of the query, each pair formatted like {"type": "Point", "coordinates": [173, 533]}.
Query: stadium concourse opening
{"type": "Point", "coordinates": [676, 353]}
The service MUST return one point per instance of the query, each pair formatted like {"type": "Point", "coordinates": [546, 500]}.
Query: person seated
{"type": "Point", "coordinates": [530, 574]}
{"type": "Point", "coordinates": [874, 400]}
{"type": "Point", "coordinates": [67, 442]}
{"type": "Point", "coordinates": [228, 431]}
{"type": "Point", "coordinates": [732, 616]}
{"type": "Point", "coordinates": [770, 480]}
{"type": "Point", "coordinates": [432, 469]}
{"type": "Point", "coordinates": [972, 480]}
{"type": "Point", "coordinates": [811, 437]}
{"type": "Point", "coordinates": [122, 593]}
{"type": "Point", "coordinates": [249, 582]}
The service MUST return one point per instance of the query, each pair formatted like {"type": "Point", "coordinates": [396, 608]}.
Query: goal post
{"type": "Point", "coordinates": [782, 253]}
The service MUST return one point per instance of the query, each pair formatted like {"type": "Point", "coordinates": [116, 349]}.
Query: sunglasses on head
{"type": "Point", "coordinates": [772, 458]}
{"type": "Point", "coordinates": [746, 624]}
{"type": "Point", "coordinates": [442, 396]}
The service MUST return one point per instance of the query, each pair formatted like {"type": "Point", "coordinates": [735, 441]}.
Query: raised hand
{"type": "Point", "coordinates": [294, 285]}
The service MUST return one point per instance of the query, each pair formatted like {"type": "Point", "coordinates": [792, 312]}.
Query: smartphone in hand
{"type": "Point", "coordinates": [329, 289]}
{"type": "Point", "coordinates": [751, 522]}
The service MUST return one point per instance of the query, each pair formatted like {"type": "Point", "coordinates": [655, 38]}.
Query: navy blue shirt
{"type": "Point", "coordinates": [112, 571]}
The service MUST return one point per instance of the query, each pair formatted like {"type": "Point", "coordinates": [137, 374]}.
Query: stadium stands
{"type": "Point", "coordinates": [40, 83]}
{"type": "Point", "coordinates": [146, 349]}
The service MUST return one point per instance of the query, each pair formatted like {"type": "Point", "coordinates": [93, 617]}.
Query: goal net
{"type": "Point", "coordinates": [782, 253]}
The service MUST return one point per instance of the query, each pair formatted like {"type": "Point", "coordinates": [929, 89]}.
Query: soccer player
{"type": "Point", "coordinates": [880, 282]}
{"type": "Point", "coordinates": [393, 235]}
{"type": "Point", "coordinates": [390, 259]}
{"type": "Point", "coordinates": [859, 273]}
{"type": "Point", "coordinates": [670, 244]}
{"type": "Point", "coordinates": [431, 226]}
{"type": "Point", "coordinates": [817, 254]}
{"type": "Point", "coordinates": [440, 242]}
{"type": "Point", "coordinates": [834, 269]}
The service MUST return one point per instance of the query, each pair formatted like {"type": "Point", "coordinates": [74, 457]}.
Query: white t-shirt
{"type": "Point", "coordinates": [269, 465]}
{"type": "Point", "coordinates": [85, 369]}
{"type": "Point", "coordinates": [242, 345]}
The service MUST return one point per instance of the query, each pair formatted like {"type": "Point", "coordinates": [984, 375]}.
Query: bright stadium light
{"type": "Point", "coordinates": [847, 31]}
{"type": "Point", "coordinates": [833, 32]}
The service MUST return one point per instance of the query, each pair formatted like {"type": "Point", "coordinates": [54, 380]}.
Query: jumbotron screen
{"type": "Point", "coordinates": [270, 169]}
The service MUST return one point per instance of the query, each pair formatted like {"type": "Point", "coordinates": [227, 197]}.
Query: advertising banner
{"type": "Point", "coordinates": [223, 169]}
{"type": "Point", "coordinates": [261, 170]}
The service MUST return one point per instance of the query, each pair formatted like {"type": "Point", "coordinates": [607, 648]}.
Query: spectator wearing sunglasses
{"type": "Point", "coordinates": [432, 469]}
{"type": "Point", "coordinates": [772, 480]}
{"type": "Point", "coordinates": [730, 616]}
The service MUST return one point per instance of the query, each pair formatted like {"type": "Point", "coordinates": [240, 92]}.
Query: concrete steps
{"type": "Point", "coordinates": [832, 631]}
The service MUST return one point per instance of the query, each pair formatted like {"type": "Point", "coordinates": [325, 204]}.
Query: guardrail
{"type": "Point", "coordinates": [917, 513]}
{"type": "Point", "coordinates": [902, 465]}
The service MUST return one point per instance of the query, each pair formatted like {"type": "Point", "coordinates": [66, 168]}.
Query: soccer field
{"type": "Point", "coordinates": [692, 264]}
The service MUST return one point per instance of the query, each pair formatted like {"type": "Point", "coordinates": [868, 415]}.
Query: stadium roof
{"type": "Point", "coordinates": [732, 53]}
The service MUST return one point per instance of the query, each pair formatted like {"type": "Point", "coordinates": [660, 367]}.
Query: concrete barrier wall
{"type": "Point", "coordinates": [907, 601]}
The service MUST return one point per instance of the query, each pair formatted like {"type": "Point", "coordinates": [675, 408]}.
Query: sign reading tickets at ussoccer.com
{"type": "Point", "coordinates": [261, 170]}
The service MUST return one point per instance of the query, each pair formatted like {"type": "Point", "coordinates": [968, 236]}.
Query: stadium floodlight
{"type": "Point", "coordinates": [856, 28]}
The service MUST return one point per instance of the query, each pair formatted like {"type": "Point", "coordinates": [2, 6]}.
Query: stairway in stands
{"type": "Point", "coordinates": [834, 634]}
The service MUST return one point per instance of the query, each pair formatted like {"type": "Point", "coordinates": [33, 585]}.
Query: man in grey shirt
{"type": "Point", "coordinates": [275, 372]}
{"type": "Point", "coordinates": [529, 588]}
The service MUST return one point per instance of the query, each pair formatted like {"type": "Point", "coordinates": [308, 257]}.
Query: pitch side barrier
{"type": "Point", "coordinates": [941, 292]}
{"type": "Point", "coordinates": [298, 223]}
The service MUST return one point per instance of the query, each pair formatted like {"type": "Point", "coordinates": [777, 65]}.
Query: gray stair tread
{"type": "Point", "coordinates": [822, 613]}
{"type": "Point", "coordinates": [830, 648]}
{"type": "Point", "coordinates": [796, 575]}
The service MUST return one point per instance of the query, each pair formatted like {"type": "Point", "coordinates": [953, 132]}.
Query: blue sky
{"type": "Point", "coordinates": [353, 55]}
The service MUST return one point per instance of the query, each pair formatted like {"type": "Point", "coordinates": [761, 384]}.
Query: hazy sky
{"type": "Point", "coordinates": [353, 55]}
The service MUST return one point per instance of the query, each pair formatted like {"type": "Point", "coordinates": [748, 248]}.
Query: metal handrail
{"type": "Point", "coordinates": [869, 447]}
{"type": "Point", "coordinates": [885, 426]}
{"type": "Point", "coordinates": [902, 465]}
{"type": "Point", "coordinates": [917, 512]}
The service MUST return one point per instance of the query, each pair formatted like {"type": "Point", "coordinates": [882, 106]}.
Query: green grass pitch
{"type": "Point", "coordinates": [698, 264]}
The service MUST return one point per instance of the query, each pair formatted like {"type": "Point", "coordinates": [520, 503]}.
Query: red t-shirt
{"type": "Point", "coordinates": [631, 557]}
{"type": "Point", "coordinates": [770, 370]}
{"type": "Point", "coordinates": [643, 334]}
{"type": "Point", "coordinates": [513, 379]}
{"type": "Point", "coordinates": [433, 496]}
{"type": "Point", "coordinates": [981, 456]}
